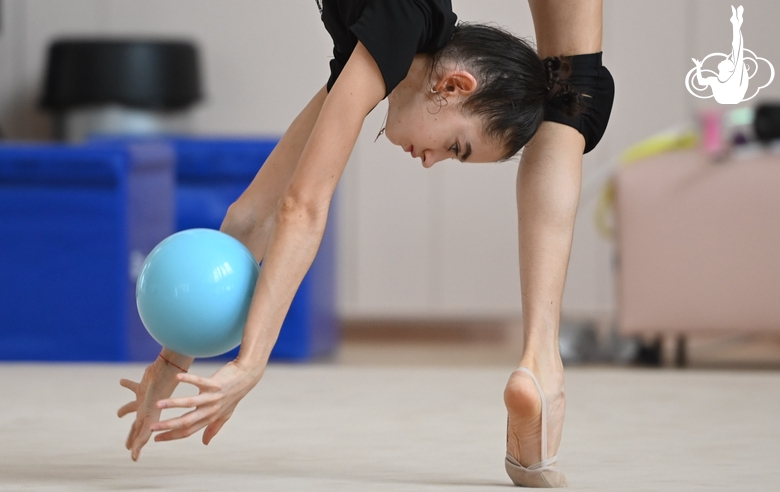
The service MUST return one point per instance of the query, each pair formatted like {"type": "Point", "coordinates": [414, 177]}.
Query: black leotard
{"type": "Point", "coordinates": [393, 31]}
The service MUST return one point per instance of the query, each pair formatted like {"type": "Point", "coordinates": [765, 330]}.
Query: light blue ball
{"type": "Point", "coordinates": [194, 292]}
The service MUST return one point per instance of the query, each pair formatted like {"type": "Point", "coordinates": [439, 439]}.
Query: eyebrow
{"type": "Point", "coordinates": [466, 154]}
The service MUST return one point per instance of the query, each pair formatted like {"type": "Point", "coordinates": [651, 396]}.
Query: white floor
{"type": "Point", "coordinates": [334, 427]}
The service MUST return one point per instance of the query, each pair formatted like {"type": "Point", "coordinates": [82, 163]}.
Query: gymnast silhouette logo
{"type": "Point", "coordinates": [735, 70]}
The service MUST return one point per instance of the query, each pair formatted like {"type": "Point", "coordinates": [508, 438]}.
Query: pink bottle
{"type": "Point", "coordinates": [712, 132]}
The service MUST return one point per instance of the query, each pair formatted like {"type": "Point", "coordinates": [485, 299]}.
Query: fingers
{"type": "Point", "coordinates": [132, 434]}
{"type": "Point", "coordinates": [207, 395]}
{"type": "Point", "coordinates": [181, 421]}
{"type": "Point", "coordinates": [184, 426]}
{"type": "Point", "coordinates": [131, 385]}
{"type": "Point", "coordinates": [188, 401]}
{"type": "Point", "coordinates": [208, 410]}
{"type": "Point", "coordinates": [130, 407]}
{"type": "Point", "coordinates": [143, 437]}
{"type": "Point", "coordinates": [202, 383]}
{"type": "Point", "coordinates": [212, 430]}
{"type": "Point", "coordinates": [133, 405]}
{"type": "Point", "coordinates": [180, 433]}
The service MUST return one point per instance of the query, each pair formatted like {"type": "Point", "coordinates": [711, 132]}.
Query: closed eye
{"type": "Point", "coordinates": [456, 149]}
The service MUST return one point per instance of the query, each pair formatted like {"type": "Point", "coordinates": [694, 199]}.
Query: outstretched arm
{"type": "Point", "coordinates": [303, 209]}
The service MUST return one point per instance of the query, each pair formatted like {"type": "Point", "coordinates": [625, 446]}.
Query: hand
{"type": "Point", "coordinates": [214, 405]}
{"type": "Point", "coordinates": [158, 382]}
{"type": "Point", "coordinates": [697, 62]}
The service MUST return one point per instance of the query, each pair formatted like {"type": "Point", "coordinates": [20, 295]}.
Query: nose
{"type": "Point", "coordinates": [431, 157]}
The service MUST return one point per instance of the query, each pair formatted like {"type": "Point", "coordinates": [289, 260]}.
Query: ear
{"type": "Point", "coordinates": [456, 83]}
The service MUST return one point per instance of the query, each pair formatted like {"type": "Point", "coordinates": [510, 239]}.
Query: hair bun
{"type": "Point", "coordinates": [560, 93]}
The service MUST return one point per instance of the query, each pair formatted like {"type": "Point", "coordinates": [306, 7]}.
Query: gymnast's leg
{"type": "Point", "coordinates": [548, 189]}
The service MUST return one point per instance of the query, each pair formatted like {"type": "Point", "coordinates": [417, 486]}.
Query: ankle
{"type": "Point", "coordinates": [542, 360]}
{"type": "Point", "coordinates": [542, 348]}
{"type": "Point", "coordinates": [548, 371]}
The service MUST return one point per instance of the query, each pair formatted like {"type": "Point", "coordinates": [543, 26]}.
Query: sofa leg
{"type": "Point", "coordinates": [650, 354]}
{"type": "Point", "coordinates": [681, 357]}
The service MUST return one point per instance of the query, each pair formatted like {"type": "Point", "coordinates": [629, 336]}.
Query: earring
{"type": "Point", "coordinates": [384, 125]}
{"type": "Point", "coordinates": [432, 90]}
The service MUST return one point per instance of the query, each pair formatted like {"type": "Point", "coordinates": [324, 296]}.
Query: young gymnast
{"type": "Point", "coordinates": [469, 92]}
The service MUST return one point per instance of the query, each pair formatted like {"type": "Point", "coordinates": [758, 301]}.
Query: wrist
{"type": "Point", "coordinates": [254, 367]}
{"type": "Point", "coordinates": [168, 360]}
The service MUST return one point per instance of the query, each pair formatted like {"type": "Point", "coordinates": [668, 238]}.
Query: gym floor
{"type": "Point", "coordinates": [407, 413]}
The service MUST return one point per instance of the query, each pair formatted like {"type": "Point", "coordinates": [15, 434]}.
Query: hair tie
{"type": "Point", "coordinates": [559, 89]}
{"type": "Point", "coordinates": [551, 67]}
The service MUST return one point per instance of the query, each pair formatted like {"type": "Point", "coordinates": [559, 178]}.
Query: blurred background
{"type": "Point", "coordinates": [428, 258]}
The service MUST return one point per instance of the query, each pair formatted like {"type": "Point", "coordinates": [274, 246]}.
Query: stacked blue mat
{"type": "Point", "coordinates": [76, 223]}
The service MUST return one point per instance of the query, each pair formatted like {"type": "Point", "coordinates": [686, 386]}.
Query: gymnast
{"type": "Point", "coordinates": [471, 92]}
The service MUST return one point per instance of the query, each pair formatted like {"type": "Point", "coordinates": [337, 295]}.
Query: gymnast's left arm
{"type": "Point", "coordinates": [296, 235]}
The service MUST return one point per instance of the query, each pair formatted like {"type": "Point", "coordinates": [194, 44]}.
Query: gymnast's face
{"type": "Point", "coordinates": [433, 127]}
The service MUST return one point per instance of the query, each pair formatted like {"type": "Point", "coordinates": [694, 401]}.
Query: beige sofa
{"type": "Point", "coordinates": [698, 244]}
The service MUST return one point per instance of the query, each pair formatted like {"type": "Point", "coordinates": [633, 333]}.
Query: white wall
{"type": "Point", "coordinates": [414, 242]}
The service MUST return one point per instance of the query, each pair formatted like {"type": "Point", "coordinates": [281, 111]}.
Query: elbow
{"type": "Point", "coordinates": [301, 210]}
{"type": "Point", "coordinates": [239, 222]}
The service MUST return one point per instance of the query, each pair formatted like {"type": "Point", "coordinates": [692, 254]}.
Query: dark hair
{"type": "Point", "coordinates": [513, 82]}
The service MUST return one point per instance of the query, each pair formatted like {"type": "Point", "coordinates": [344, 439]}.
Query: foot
{"type": "Point", "coordinates": [524, 408]}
